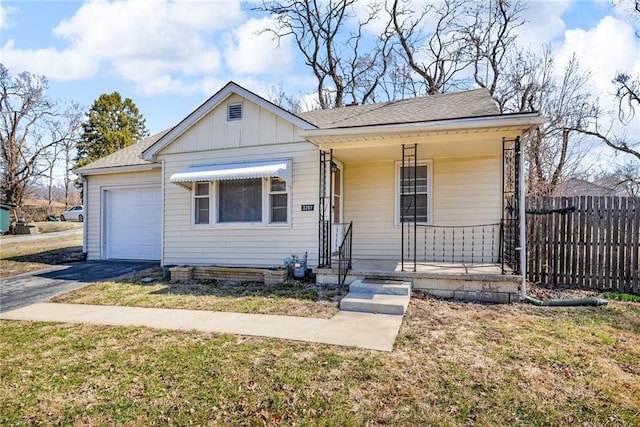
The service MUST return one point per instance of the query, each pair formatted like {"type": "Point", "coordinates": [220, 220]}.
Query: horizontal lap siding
{"type": "Point", "coordinates": [369, 201]}
{"type": "Point", "coordinates": [251, 246]}
{"type": "Point", "coordinates": [96, 185]}
{"type": "Point", "coordinates": [466, 191]}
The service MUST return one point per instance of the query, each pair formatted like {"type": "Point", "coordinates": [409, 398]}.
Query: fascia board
{"type": "Point", "coordinates": [117, 169]}
{"type": "Point", "coordinates": [524, 121]}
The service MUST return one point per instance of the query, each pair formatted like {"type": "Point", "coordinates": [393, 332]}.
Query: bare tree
{"type": "Point", "coordinates": [598, 127]}
{"type": "Point", "coordinates": [491, 39]}
{"type": "Point", "coordinates": [628, 178]}
{"type": "Point", "coordinates": [628, 96]}
{"type": "Point", "coordinates": [50, 160]}
{"type": "Point", "coordinates": [331, 49]}
{"type": "Point", "coordinates": [429, 42]}
{"type": "Point", "coordinates": [278, 96]}
{"type": "Point", "coordinates": [555, 149]}
{"type": "Point", "coordinates": [32, 130]}
{"type": "Point", "coordinates": [67, 130]}
{"type": "Point", "coordinates": [629, 9]}
{"type": "Point", "coordinates": [400, 81]}
{"type": "Point", "coordinates": [23, 108]}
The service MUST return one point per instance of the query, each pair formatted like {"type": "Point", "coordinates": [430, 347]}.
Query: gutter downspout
{"type": "Point", "coordinates": [162, 189]}
{"type": "Point", "coordinates": [523, 254]}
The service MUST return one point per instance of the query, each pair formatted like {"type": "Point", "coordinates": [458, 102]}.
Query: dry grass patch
{"type": "Point", "coordinates": [453, 364]}
{"type": "Point", "coordinates": [36, 254]}
{"type": "Point", "coordinates": [148, 289]}
{"type": "Point", "coordinates": [53, 226]}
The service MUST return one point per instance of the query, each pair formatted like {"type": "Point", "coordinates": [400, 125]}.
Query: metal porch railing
{"type": "Point", "coordinates": [344, 256]}
{"type": "Point", "coordinates": [467, 244]}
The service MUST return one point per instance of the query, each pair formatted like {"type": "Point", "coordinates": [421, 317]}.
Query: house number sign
{"type": "Point", "coordinates": [307, 208]}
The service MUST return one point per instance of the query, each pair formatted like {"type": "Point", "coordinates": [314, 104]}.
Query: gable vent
{"type": "Point", "coordinates": [234, 112]}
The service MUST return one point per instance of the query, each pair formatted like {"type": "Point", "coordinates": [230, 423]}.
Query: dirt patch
{"type": "Point", "coordinates": [54, 226]}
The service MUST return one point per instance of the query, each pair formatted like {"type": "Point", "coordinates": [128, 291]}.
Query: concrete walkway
{"type": "Point", "coordinates": [364, 330]}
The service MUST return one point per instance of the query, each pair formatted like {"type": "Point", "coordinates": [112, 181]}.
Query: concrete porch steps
{"type": "Point", "coordinates": [377, 296]}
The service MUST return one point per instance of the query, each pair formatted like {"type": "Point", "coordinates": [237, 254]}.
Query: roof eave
{"type": "Point", "coordinates": [524, 121]}
{"type": "Point", "coordinates": [117, 169]}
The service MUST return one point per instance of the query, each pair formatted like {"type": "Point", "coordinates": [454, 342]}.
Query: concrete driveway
{"type": "Point", "coordinates": [25, 289]}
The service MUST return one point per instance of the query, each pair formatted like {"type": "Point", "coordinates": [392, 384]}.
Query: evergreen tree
{"type": "Point", "coordinates": [111, 124]}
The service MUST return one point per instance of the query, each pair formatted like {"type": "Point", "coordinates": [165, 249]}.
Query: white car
{"type": "Point", "coordinates": [75, 213]}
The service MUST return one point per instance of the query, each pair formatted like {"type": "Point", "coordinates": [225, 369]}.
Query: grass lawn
{"type": "Point", "coordinates": [36, 254]}
{"type": "Point", "coordinates": [293, 299]}
{"type": "Point", "coordinates": [454, 364]}
{"type": "Point", "coordinates": [50, 227]}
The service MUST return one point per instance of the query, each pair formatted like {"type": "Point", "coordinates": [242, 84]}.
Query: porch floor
{"type": "Point", "coordinates": [377, 265]}
{"type": "Point", "coordinates": [477, 282]}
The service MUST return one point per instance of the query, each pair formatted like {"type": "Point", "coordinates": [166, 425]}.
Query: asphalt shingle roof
{"type": "Point", "coordinates": [473, 103]}
{"type": "Point", "coordinates": [128, 156]}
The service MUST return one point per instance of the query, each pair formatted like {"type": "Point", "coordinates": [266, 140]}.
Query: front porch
{"type": "Point", "coordinates": [446, 204]}
{"type": "Point", "coordinates": [474, 282]}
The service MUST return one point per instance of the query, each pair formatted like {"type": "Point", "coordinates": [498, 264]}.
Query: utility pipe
{"type": "Point", "coordinates": [523, 252]}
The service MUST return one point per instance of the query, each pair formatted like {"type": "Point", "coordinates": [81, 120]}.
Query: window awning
{"type": "Point", "coordinates": [207, 173]}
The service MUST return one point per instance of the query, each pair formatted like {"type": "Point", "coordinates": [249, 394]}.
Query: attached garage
{"type": "Point", "coordinates": [123, 205]}
{"type": "Point", "coordinates": [132, 223]}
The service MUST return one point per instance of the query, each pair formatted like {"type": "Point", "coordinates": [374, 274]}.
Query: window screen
{"type": "Point", "coordinates": [201, 203]}
{"type": "Point", "coordinates": [421, 180]}
{"type": "Point", "coordinates": [240, 200]}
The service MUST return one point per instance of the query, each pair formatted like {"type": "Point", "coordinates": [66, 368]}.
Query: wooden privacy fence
{"type": "Point", "coordinates": [587, 242]}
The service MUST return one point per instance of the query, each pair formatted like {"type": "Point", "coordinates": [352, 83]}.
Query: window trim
{"type": "Point", "coordinates": [214, 195]}
{"type": "Point", "coordinates": [270, 193]}
{"type": "Point", "coordinates": [195, 197]}
{"type": "Point", "coordinates": [398, 171]}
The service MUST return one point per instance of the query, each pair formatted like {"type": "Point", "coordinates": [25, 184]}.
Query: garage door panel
{"type": "Point", "coordinates": [133, 221]}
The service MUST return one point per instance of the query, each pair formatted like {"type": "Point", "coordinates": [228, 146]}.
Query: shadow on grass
{"type": "Point", "coordinates": [296, 290]}
{"type": "Point", "coordinates": [52, 257]}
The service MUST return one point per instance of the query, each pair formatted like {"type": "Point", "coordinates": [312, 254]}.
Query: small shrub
{"type": "Point", "coordinates": [621, 296]}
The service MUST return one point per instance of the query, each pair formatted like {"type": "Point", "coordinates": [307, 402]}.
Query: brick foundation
{"type": "Point", "coordinates": [269, 277]}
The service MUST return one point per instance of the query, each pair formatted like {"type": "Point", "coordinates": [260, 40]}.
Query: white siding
{"type": "Point", "coordinates": [132, 223]}
{"type": "Point", "coordinates": [465, 191]}
{"type": "Point", "coordinates": [258, 127]}
{"type": "Point", "coordinates": [265, 246]}
{"type": "Point", "coordinates": [96, 184]}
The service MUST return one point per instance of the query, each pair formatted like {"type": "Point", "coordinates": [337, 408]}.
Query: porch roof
{"type": "Point", "coordinates": [470, 103]}
{"type": "Point", "coordinates": [517, 123]}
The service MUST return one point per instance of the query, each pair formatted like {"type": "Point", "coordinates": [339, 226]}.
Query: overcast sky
{"type": "Point", "coordinates": [170, 56]}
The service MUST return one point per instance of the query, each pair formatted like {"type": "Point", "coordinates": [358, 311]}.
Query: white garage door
{"type": "Point", "coordinates": [132, 229]}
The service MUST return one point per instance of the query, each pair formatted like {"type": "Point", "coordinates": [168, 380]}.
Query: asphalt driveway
{"type": "Point", "coordinates": [25, 289]}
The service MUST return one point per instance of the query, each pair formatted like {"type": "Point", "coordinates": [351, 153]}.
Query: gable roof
{"type": "Point", "coordinates": [125, 157]}
{"type": "Point", "coordinates": [469, 109]}
{"type": "Point", "coordinates": [211, 103]}
{"type": "Point", "coordinates": [472, 103]}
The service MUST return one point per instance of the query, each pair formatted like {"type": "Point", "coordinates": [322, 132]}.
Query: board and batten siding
{"type": "Point", "coordinates": [258, 127]}
{"type": "Point", "coordinates": [238, 245]}
{"type": "Point", "coordinates": [96, 184]}
{"type": "Point", "coordinates": [465, 191]}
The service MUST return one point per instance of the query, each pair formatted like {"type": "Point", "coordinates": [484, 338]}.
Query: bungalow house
{"type": "Point", "coordinates": [424, 189]}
